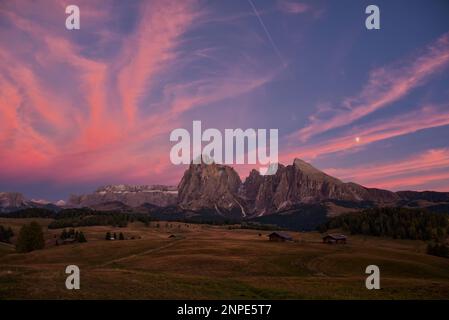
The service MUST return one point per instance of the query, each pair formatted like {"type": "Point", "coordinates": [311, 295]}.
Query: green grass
{"type": "Point", "coordinates": [210, 262]}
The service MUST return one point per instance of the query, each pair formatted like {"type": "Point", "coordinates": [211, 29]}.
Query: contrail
{"type": "Point", "coordinates": [264, 27]}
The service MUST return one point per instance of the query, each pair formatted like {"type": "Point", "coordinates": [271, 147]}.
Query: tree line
{"type": "Point", "coordinates": [398, 223]}
{"type": "Point", "coordinates": [99, 219]}
{"type": "Point", "coordinates": [79, 217]}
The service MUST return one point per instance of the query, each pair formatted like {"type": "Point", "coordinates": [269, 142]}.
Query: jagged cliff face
{"type": "Point", "coordinates": [12, 200]}
{"type": "Point", "coordinates": [132, 196]}
{"type": "Point", "coordinates": [302, 183]}
{"type": "Point", "coordinates": [211, 186]}
{"type": "Point", "coordinates": [218, 187]}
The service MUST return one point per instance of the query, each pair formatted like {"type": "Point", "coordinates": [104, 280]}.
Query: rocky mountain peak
{"type": "Point", "coordinates": [309, 170]}
{"type": "Point", "coordinates": [210, 186]}
{"type": "Point", "coordinates": [130, 195]}
{"type": "Point", "coordinates": [12, 199]}
{"type": "Point", "coordinates": [124, 188]}
{"type": "Point", "coordinates": [218, 187]}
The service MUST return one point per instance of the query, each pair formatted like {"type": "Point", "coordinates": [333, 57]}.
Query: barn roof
{"type": "Point", "coordinates": [280, 235]}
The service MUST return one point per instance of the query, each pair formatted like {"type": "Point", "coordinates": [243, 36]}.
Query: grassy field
{"type": "Point", "coordinates": [213, 262]}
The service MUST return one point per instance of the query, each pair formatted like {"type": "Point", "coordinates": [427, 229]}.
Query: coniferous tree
{"type": "Point", "coordinates": [5, 234]}
{"type": "Point", "coordinates": [30, 238]}
{"type": "Point", "coordinates": [81, 237]}
{"type": "Point", "coordinates": [402, 223]}
{"type": "Point", "coordinates": [438, 249]}
{"type": "Point", "coordinates": [9, 233]}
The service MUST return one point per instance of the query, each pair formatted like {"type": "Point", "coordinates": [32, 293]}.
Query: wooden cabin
{"type": "Point", "coordinates": [334, 238]}
{"type": "Point", "coordinates": [279, 237]}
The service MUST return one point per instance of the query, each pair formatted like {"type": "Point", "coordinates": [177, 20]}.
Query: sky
{"type": "Point", "coordinates": [95, 106]}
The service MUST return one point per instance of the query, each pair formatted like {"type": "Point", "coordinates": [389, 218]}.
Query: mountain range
{"type": "Point", "coordinates": [218, 190]}
{"type": "Point", "coordinates": [13, 201]}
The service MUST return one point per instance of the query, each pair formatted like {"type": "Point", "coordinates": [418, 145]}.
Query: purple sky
{"type": "Point", "coordinates": [83, 108]}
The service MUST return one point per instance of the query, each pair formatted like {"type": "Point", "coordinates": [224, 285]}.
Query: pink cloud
{"type": "Point", "coordinates": [424, 118]}
{"type": "Point", "coordinates": [385, 86]}
{"type": "Point", "coordinates": [292, 7]}
{"type": "Point", "coordinates": [151, 47]}
{"type": "Point", "coordinates": [211, 89]}
{"type": "Point", "coordinates": [399, 174]}
{"type": "Point", "coordinates": [90, 127]}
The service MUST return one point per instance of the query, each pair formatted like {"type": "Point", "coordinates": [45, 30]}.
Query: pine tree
{"type": "Point", "coordinates": [9, 233]}
{"type": "Point", "coordinates": [81, 237]}
{"type": "Point", "coordinates": [3, 234]}
{"type": "Point", "coordinates": [30, 238]}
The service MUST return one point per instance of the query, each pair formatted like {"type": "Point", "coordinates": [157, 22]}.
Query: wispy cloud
{"type": "Point", "coordinates": [360, 136]}
{"type": "Point", "coordinates": [151, 47]}
{"type": "Point", "coordinates": [97, 105]}
{"type": "Point", "coordinates": [385, 86]}
{"type": "Point", "coordinates": [292, 7]}
{"type": "Point", "coordinates": [399, 174]}
{"type": "Point", "coordinates": [67, 114]}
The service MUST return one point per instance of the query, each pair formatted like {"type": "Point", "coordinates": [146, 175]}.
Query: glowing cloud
{"type": "Point", "coordinates": [385, 86]}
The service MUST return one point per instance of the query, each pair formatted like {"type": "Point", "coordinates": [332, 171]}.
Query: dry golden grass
{"type": "Point", "coordinates": [214, 262]}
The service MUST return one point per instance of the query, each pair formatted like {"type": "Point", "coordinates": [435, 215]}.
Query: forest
{"type": "Point", "coordinates": [398, 223]}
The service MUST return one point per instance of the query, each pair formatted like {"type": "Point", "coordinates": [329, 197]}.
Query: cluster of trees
{"type": "Point", "coordinates": [303, 217]}
{"type": "Point", "coordinates": [113, 236]}
{"type": "Point", "coordinates": [259, 226]}
{"type": "Point", "coordinates": [78, 236]}
{"type": "Point", "coordinates": [77, 217]}
{"type": "Point", "coordinates": [30, 213]}
{"type": "Point", "coordinates": [6, 234]}
{"type": "Point", "coordinates": [401, 223]}
{"type": "Point", "coordinates": [438, 249]}
{"type": "Point", "coordinates": [99, 219]}
{"type": "Point", "coordinates": [31, 237]}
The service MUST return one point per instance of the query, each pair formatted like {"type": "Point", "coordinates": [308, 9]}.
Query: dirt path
{"type": "Point", "coordinates": [138, 254]}
{"type": "Point", "coordinates": [7, 245]}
